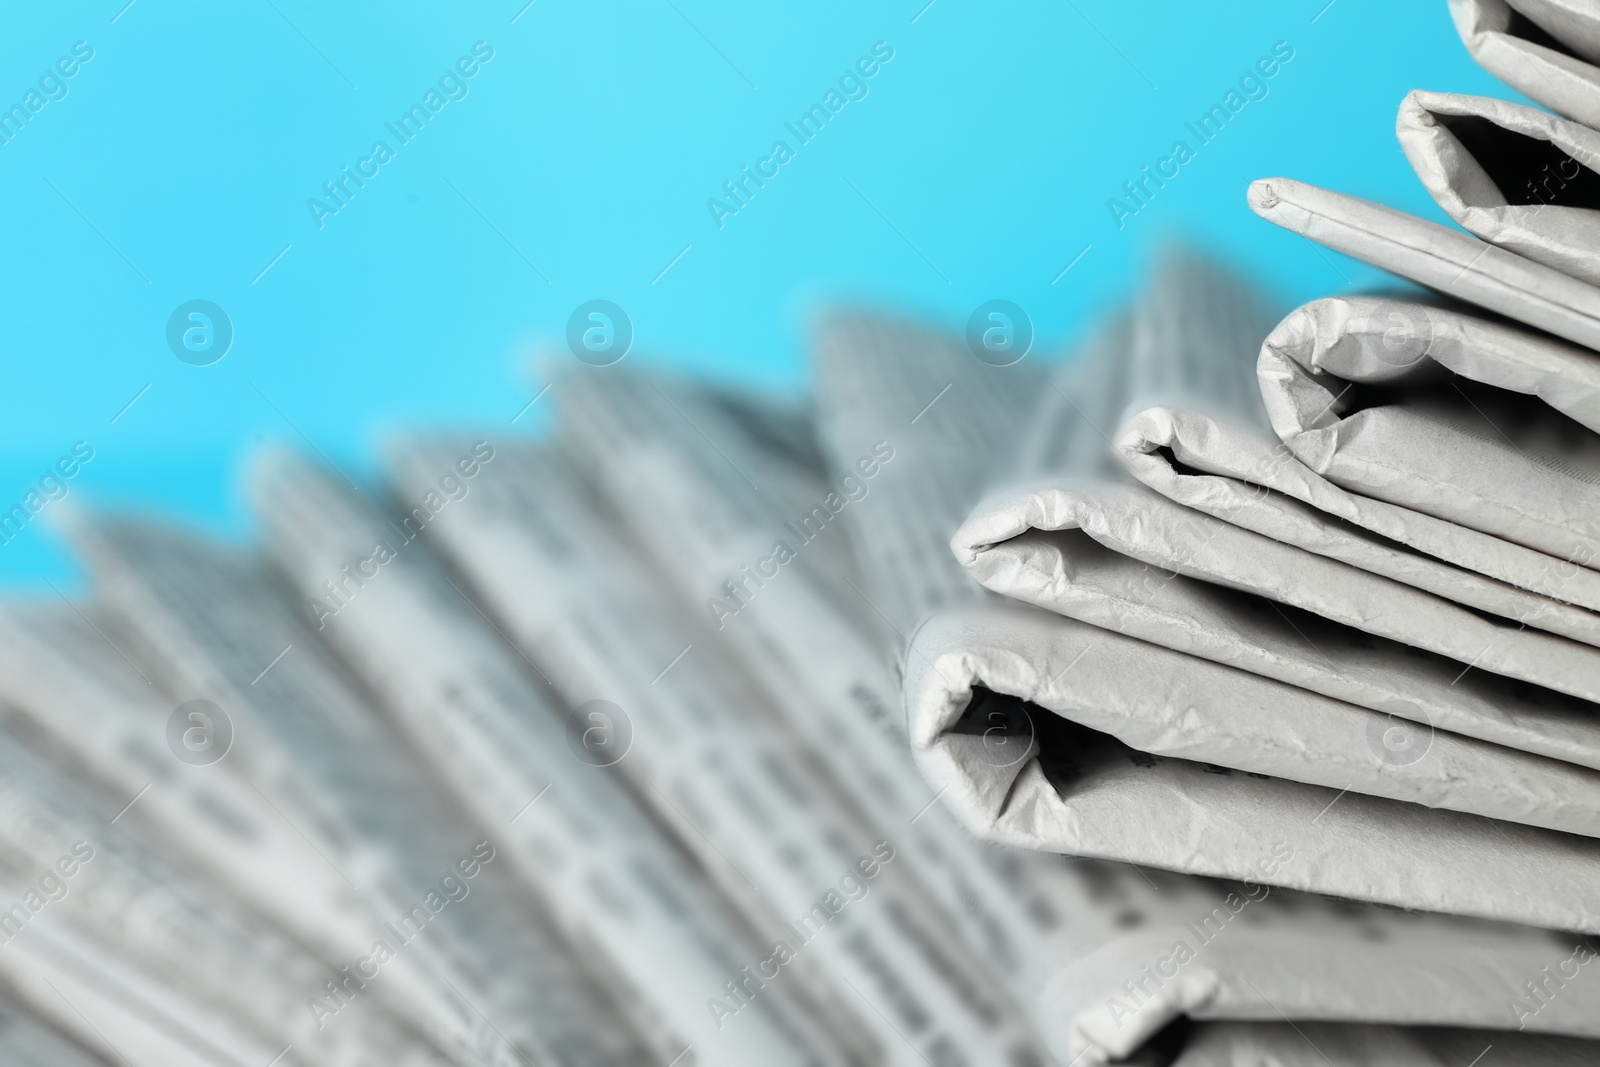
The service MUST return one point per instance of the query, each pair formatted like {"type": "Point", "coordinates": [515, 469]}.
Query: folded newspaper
{"type": "Point", "coordinates": [981, 747]}
{"type": "Point", "coordinates": [1513, 175]}
{"type": "Point", "coordinates": [1335, 604]}
{"type": "Point", "coordinates": [1545, 49]}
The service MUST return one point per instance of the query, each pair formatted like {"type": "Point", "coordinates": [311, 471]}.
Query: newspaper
{"type": "Point", "coordinates": [961, 412]}
{"type": "Point", "coordinates": [1443, 259]}
{"type": "Point", "coordinates": [699, 507]}
{"type": "Point", "coordinates": [1375, 338]}
{"type": "Point", "coordinates": [577, 837]}
{"type": "Point", "coordinates": [1140, 766]}
{"type": "Point", "coordinates": [1196, 461]}
{"type": "Point", "coordinates": [1137, 353]}
{"type": "Point", "coordinates": [1007, 546]}
{"type": "Point", "coordinates": [116, 1011]}
{"type": "Point", "coordinates": [1199, 453]}
{"type": "Point", "coordinates": [1292, 1044]}
{"type": "Point", "coordinates": [1514, 42]}
{"type": "Point", "coordinates": [1247, 522]}
{"type": "Point", "coordinates": [1175, 540]}
{"type": "Point", "coordinates": [1238, 477]}
{"type": "Point", "coordinates": [331, 770]}
{"type": "Point", "coordinates": [67, 689]}
{"type": "Point", "coordinates": [1338, 357]}
{"type": "Point", "coordinates": [147, 929]}
{"type": "Point", "coordinates": [1517, 177]}
{"type": "Point", "coordinates": [781, 444]}
{"type": "Point", "coordinates": [1574, 24]}
{"type": "Point", "coordinates": [545, 561]}
{"type": "Point", "coordinates": [27, 1042]}
{"type": "Point", "coordinates": [1489, 459]}
{"type": "Point", "coordinates": [1093, 391]}
{"type": "Point", "coordinates": [1306, 369]}
{"type": "Point", "coordinates": [1108, 787]}
{"type": "Point", "coordinates": [64, 682]}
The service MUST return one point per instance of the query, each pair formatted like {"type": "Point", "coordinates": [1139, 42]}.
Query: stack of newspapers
{"type": "Point", "coordinates": [1322, 620]}
{"type": "Point", "coordinates": [1223, 693]}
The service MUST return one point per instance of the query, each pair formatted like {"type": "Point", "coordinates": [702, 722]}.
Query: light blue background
{"type": "Point", "coordinates": [187, 148]}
